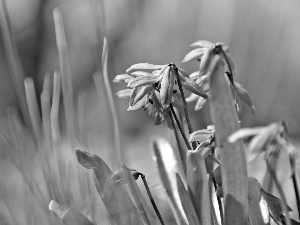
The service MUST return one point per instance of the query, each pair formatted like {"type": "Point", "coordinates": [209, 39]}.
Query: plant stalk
{"type": "Point", "coordinates": [180, 128]}
{"type": "Point", "coordinates": [186, 112]}
{"type": "Point", "coordinates": [181, 152]}
{"type": "Point", "coordinates": [281, 194]}
{"type": "Point", "coordinates": [152, 200]}
{"type": "Point", "coordinates": [295, 184]}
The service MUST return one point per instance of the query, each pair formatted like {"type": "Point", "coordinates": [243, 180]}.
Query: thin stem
{"type": "Point", "coordinates": [219, 200]}
{"type": "Point", "coordinates": [281, 194]}
{"type": "Point", "coordinates": [181, 153]}
{"type": "Point", "coordinates": [186, 112]}
{"type": "Point", "coordinates": [152, 200]}
{"type": "Point", "coordinates": [180, 128]}
{"type": "Point", "coordinates": [294, 178]}
{"type": "Point", "coordinates": [214, 158]}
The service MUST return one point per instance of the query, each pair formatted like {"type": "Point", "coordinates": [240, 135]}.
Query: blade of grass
{"type": "Point", "coordinates": [34, 112]}
{"type": "Point", "coordinates": [198, 186]}
{"type": "Point", "coordinates": [233, 159]}
{"type": "Point", "coordinates": [46, 108]}
{"type": "Point", "coordinates": [66, 76]}
{"type": "Point", "coordinates": [167, 168]}
{"type": "Point", "coordinates": [119, 205]}
{"type": "Point", "coordinates": [69, 216]}
{"type": "Point", "coordinates": [187, 204]}
{"type": "Point", "coordinates": [138, 199]}
{"type": "Point", "coordinates": [14, 63]}
{"type": "Point", "coordinates": [54, 114]}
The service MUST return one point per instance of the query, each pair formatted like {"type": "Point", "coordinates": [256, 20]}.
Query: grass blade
{"type": "Point", "coordinates": [54, 115]}
{"type": "Point", "coordinates": [14, 63]}
{"type": "Point", "coordinates": [66, 77]}
{"type": "Point", "coordinates": [233, 159]}
{"type": "Point", "coordinates": [119, 205]}
{"type": "Point", "coordinates": [69, 216]}
{"type": "Point", "coordinates": [167, 168]}
{"type": "Point", "coordinates": [187, 203]}
{"type": "Point", "coordinates": [198, 186]}
{"type": "Point", "coordinates": [34, 112]}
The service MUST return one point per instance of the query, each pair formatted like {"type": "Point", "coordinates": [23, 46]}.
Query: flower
{"type": "Point", "coordinates": [204, 52]}
{"type": "Point", "coordinates": [239, 92]}
{"type": "Point", "coordinates": [153, 87]}
{"type": "Point", "coordinates": [269, 140]}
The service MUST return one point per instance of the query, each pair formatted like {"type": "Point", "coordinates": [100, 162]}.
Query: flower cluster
{"type": "Point", "coordinates": [204, 52]}
{"type": "Point", "coordinates": [152, 87]}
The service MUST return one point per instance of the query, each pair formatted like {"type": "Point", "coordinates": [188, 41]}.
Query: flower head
{"type": "Point", "coordinates": [153, 87]}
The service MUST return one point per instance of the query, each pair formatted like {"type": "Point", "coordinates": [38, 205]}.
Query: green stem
{"type": "Point", "coordinates": [281, 194]}
{"type": "Point", "coordinates": [181, 152]}
{"type": "Point", "coordinates": [180, 128]}
{"type": "Point", "coordinates": [186, 112]}
{"type": "Point", "coordinates": [152, 200]}
{"type": "Point", "coordinates": [294, 178]}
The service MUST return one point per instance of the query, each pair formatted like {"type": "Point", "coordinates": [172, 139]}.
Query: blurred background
{"type": "Point", "coordinates": [262, 35]}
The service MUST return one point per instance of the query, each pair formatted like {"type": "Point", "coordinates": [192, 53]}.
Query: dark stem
{"type": "Point", "coordinates": [186, 112]}
{"type": "Point", "coordinates": [180, 128]}
{"type": "Point", "coordinates": [181, 152]}
{"type": "Point", "coordinates": [281, 194]}
{"type": "Point", "coordinates": [152, 200]}
{"type": "Point", "coordinates": [294, 178]}
{"type": "Point", "coordinates": [219, 200]}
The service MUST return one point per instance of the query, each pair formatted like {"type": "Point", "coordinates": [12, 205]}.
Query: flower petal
{"type": "Point", "coordinates": [199, 104]}
{"type": "Point", "coordinates": [138, 93]}
{"type": "Point", "coordinates": [192, 97]}
{"type": "Point", "coordinates": [124, 93]}
{"type": "Point", "coordinates": [124, 77]}
{"type": "Point", "coordinates": [244, 133]}
{"type": "Point", "coordinates": [144, 66]}
{"type": "Point", "coordinates": [206, 61]}
{"type": "Point", "coordinates": [192, 86]}
{"type": "Point", "coordinates": [194, 75]}
{"type": "Point", "coordinates": [200, 135]}
{"type": "Point", "coordinates": [194, 54]}
{"type": "Point", "coordinates": [140, 73]}
{"type": "Point", "coordinates": [201, 44]}
{"type": "Point", "coordinates": [182, 73]}
{"type": "Point", "coordinates": [139, 104]}
{"type": "Point", "coordinates": [166, 89]}
{"type": "Point", "coordinates": [244, 95]}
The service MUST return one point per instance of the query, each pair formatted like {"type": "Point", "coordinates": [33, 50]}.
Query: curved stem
{"type": "Point", "coordinates": [186, 112]}
{"type": "Point", "coordinates": [152, 200]}
{"type": "Point", "coordinates": [180, 128]}
{"type": "Point", "coordinates": [281, 194]}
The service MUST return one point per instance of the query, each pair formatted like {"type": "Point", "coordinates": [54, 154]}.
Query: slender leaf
{"type": "Point", "coordinates": [198, 186]}
{"type": "Point", "coordinates": [233, 159]}
{"type": "Point", "coordinates": [186, 202]}
{"type": "Point", "coordinates": [168, 168]}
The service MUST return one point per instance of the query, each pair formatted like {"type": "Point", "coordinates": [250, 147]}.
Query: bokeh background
{"type": "Point", "coordinates": [262, 35]}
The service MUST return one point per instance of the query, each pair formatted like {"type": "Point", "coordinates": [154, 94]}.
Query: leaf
{"type": "Point", "coordinates": [139, 200]}
{"type": "Point", "coordinates": [138, 93]}
{"type": "Point", "coordinates": [202, 43]}
{"type": "Point", "coordinates": [186, 203]}
{"type": "Point", "coordinates": [194, 54]}
{"type": "Point", "coordinates": [232, 155]}
{"type": "Point", "coordinates": [168, 168]}
{"type": "Point", "coordinates": [69, 216]}
{"type": "Point", "coordinates": [120, 207]}
{"type": "Point", "coordinates": [144, 66]}
{"type": "Point", "coordinates": [274, 204]}
{"type": "Point", "coordinates": [244, 95]}
{"type": "Point", "coordinates": [192, 86]}
{"type": "Point", "coordinates": [258, 210]}
{"type": "Point", "coordinates": [200, 135]}
{"type": "Point", "coordinates": [206, 61]}
{"type": "Point", "coordinates": [198, 186]}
